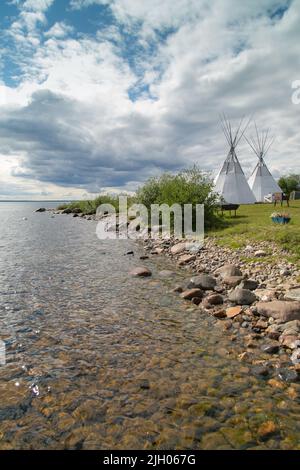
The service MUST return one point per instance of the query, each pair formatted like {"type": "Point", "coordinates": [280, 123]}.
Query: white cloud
{"type": "Point", "coordinates": [37, 5]}
{"type": "Point", "coordinates": [71, 123]}
{"type": "Point", "coordinates": [59, 30]}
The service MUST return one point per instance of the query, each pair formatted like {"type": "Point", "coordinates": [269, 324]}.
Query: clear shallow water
{"type": "Point", "coordinates": [99, 360]}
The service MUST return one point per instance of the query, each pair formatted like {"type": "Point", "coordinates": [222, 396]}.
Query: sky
{"type": "Point", "coordinates": [99, 95]}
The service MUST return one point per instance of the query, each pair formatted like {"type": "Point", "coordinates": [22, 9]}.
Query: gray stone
{"type": "Point", "coordinates": [203, 281]}
{"type": "Point", "coordinates": [266, 295]}
{"type": "Point", "coordinates": [295, 357]}
{"type": "Point", "coordinates": [291, 327]}
{"type": "Point", "coordinates": [293, 294]}
{"type": "Point", "coordinates": [262, 371]}
{"type": "Point", "coordinates": [228, 270]}
{"type": "Point", "coordinates": [271, 348]}
{"type": "Point", "coordinates": [288, 375]}
{"type": "Point", "coordinates": [248, 284]}
{"type": "Point", "coordinates": [194, 247]}
{"type": "Point", "coordinates": [166, 273]}
{"type": "Point", "coordinates": [232, 281]}
{"type": "Point", "coordinates": [242, 296]}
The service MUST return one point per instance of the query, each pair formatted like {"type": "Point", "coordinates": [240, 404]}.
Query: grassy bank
{"type": "Point", "coordinates": [253, 223]}
{"type": "Point", "coordinates": [192, 186]}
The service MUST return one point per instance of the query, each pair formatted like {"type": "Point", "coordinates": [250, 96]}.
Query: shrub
{"type": "Point", "coordinates": [191, 186]}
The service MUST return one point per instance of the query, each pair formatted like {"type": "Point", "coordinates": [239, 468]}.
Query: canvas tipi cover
{"type": "Point", "coordinates": [231, 183]}
{"type": "Point", "coordinates": [261, 181]}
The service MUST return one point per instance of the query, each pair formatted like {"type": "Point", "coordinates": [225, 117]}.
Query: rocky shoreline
{"type": "Point", "coordinates": [256, 301]}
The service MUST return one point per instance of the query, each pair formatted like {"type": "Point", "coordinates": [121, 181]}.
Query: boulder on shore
{"type": "Point", "coordinates": [41, 209]}
{"type": "Point", "coordinates": [178, 248]}
{"type": "Point", "coordinates": [232, 281]}
{"type": "Point", "coordinates": [242, 296]}
{"type": "Point", "coordinates": [229, 270]}
{"type": "Point", "coordinates": [249, 284]}
{"type": "Point", "coordinates": [214, 299]}
{"type": "Point", "coordinates": [293, 294]}
{"type": "Point", "coordinates": [283, 310]}
{"type": "Point", "coordinates": [203, 281]}
{"type": "Point", "coordinates": [185, 259]}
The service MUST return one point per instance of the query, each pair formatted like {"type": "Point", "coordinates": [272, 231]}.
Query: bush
{"type": "Point", "coordinates": [190, 186]}
{"type": "Point", "coordinates": [89, 206]}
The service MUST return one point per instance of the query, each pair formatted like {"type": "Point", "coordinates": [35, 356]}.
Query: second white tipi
{"type": "Point", "coordinates": [261, 180]}
{"type": "Point", "coordinates": [231, 183]}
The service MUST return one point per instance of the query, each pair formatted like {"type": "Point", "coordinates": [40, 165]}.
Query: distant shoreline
{"type": "Point", "coordinates": [40, 201]}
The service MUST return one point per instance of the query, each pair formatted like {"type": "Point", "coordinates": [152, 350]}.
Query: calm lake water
{"type": "Point", "coordinates": [99, 360]}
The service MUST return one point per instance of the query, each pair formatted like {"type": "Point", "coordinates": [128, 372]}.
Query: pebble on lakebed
{"type": "Point", "coordinates": [140, 272]}
{"type": "Point", "coordinates": [246, 297]}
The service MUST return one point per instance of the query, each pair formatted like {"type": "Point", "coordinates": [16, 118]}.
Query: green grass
{"type": "Point", "coordinates": [253, 223]}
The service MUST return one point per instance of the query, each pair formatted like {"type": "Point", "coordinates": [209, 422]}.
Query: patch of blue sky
{"type": "Point", "coordinates": [85, 21]}
{"type": "Point", "coordinates": [279, 12]}
{"type": "Point", "coordinates": [138, 55]}
{"type": "Point", "coordinates": [8, 11]}
{"type": "Point", "coordinates": [134, 49]}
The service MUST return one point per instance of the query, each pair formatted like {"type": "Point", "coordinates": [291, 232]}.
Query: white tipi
{"type": "Point", "coordinates": [231, 183]}
{"type": "Point", "coordinates": [261, 181]}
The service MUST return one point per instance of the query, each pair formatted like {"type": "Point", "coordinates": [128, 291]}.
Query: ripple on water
{"type": "Point", "coordinates": [105, 361]}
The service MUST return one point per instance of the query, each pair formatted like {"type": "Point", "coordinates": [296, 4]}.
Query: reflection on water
{"type": "Point", "coordinates": [99, 360]}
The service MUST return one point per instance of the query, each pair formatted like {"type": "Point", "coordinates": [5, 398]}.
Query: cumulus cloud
{"type": "Point", "coordinates": [59, 30]}
{"type": "Point", "coordinates": [90, 113]}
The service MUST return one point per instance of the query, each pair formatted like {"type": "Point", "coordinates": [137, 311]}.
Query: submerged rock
{"type": "Point", "coordinates": [219, 313]}
{"type": "Point", "coordinates": [266, 429]}
{"type": "Point", "coordinates": [166, 273]}
{"type": "Point", "coordinates": [262, 371]}
{"type": "Point", "coordinates": [191, 293]}
{"type": "Point", "coordinates": [271, 348]}
{"type": "Point", "coordinates": [288, 375]}
{"type": "Point", "coordinates": [233, 311]}
{"type": "Point", "coordinates": [177, 289]}
{"type": "Point", "coordinates": [140, 272]}
{"type": "Point", "coordinates": [214, 299]}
